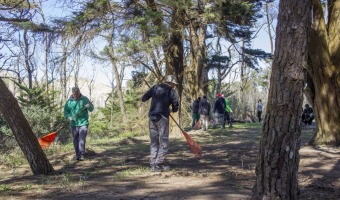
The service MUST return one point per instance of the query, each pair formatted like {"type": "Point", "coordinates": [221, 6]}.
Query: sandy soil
{"type": "Point", "coordinates": [120, 171]}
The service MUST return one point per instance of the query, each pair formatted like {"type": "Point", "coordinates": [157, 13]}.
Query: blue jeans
{"type": "Point", "coordinates": [79, 134]}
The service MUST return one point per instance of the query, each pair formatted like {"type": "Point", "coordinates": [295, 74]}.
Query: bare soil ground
{"type": "Point", "coordinates": [120, 170]}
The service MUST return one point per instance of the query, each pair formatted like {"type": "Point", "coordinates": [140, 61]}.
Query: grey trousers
{"type": "Point", "coordinates": [79, 134]}
{"type": "Point", "coordinates": [159, 140]}
{"type": "Point", "coordinates": [219, 118]}
{"type": "Point", "coordinates": [205, 121]}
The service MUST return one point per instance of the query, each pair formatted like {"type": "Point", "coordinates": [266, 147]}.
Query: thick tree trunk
{"type": "Point", "coordinates": [324, 69]}
{"type": "Point", "coordinates": [173, 50]}
{"type": "Point", "coordinates": [197, 73]}
{"type": "Point", "coordinates": [174, 53]}
{"type": "Point", "coordinates": [277, 165]}
{"type": "Point", "coordinates": [23, 133]}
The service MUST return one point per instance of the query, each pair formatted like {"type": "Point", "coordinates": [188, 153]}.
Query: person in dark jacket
{"type": "Point", "coordinates": [195, 114]}
{"type": "Point", "coordinates": [219, 109]}
{"type": "Point", "coordinates": [163, 95]}
{"type": "Point", "coordinates": [204, 111]}
{"type": "Point", "coordinates": [259, 110]}
{"type": "Point", "coordinates": [307, 115]}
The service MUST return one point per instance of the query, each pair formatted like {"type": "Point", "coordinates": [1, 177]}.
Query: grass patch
{"type": "Point", "coordinates": [4, 187]}
{"type": "Point", "coordinates": [248, 125]}
{"type": "Point", "coordinates": [13, 159]}
{"type": "Point", "coordinates": [306, 135]}
{"type": "Point", "coordinates": [28, 187]}
{"type": "Point", "coordinates": [239, 187]}
{"type": "Point", "coordinates": [131, 172]}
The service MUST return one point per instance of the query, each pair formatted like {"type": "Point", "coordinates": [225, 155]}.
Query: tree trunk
{"type": "Point", "coordinates": [113, 61]}
{"type": "Point", "coordinates": [269, 29]}
{"type": "Point", "coordinates": [324, 69]}
{"type": "Point", "coordinates": [174, 54]}
{"type": "Point", "coordinates": [277, 165]}
{"type": "Point", "coordinates": [63, 74]}
{"type": "Point", "coordinates": [23, 133]}
{"type": "Point", "coordinates": [197, 73]}
{"type": "Point", "coordinates": [46, 46]}
{"type": "Point", "coordinates": [28, 66]}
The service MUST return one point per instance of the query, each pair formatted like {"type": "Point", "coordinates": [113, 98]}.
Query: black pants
{"type": "Point", "coordinates": [307, 118]}
{"type": "Point", "coordinates": [259, 113]}
{"type": "Point", "coordinates": [227, 118]}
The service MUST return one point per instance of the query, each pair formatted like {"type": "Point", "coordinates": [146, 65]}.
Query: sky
{"type": "Point", "coordinates": [103, 75]}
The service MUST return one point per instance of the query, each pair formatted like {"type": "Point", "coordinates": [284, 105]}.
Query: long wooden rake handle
{"type": "Point", "coordinates": [68, 121]}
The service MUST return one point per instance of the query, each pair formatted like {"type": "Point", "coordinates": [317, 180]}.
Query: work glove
{"type": "Point", "coordinates": [70, 119]}
{"type": "Point", "coordinates": [88, 105]}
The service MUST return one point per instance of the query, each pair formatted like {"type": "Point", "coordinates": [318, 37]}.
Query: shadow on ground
{"type": "Point", "coordinates": [120, 170]}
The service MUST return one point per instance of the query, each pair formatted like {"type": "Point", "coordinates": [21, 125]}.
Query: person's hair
{"type": "Point", "coordinates": [306, 105]}
{"type": "Point", "coordinates": [199, 98]}
{"type": "Point", "coordinates": [260, 100]}
{"type": "Point", "coordinates": [75, 90]}
{"type": "Point", "coordinates": [171, 79]}
{"type": "Point", "coordinates": [204, 97]}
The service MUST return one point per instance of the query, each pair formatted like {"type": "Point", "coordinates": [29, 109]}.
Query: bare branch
{"type": "Point", "coordinates": [5, 19]}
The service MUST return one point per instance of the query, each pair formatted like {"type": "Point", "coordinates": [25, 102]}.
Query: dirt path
{"type": "Point", "coordinates": [120, 171]}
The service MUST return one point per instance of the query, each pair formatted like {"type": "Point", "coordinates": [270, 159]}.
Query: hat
{"type": "Point", "coordinates": [171, 79]}
{"type": "Point", "coordinates": [219, 95]}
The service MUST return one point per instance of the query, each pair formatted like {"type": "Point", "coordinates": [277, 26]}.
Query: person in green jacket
{"type": "Point", "coordinates": [76, 112]}
{"type": "Point", "coordinates": [228, 111]}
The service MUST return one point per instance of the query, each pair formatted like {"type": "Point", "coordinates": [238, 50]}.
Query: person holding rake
{"type": "Point", "coordinates": [78, 105]}
{"type": "Point", "coordinates": [163, 95]}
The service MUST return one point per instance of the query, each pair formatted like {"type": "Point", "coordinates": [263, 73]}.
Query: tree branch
{"type": "Point", "coordinates": [5, 19]}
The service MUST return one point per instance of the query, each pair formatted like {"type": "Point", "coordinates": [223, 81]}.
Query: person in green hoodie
{"type": "Point", "coordinates": [228, 111]}
{"type": "Point", "coordinates": [76, 112]}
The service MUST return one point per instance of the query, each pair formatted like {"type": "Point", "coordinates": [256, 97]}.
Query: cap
{"type": "Point", "coordinates": [171, 79]}
{"type": "Point", "coordinates": [219, 95]}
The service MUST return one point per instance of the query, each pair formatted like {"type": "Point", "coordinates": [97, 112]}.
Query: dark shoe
{"type": "Point", "coordinates": [165, 168]}
{"type": "Point", "coordinates": [160, 168]}
{"type": "Point", "coordinates": [81, 158]}
{"type": "Point", "coordinates": [155, 168]}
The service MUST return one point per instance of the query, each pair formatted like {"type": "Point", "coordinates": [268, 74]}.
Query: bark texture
{"type": "Point", "coordinates": [23, 133]}
{"type": "Point", "coordinates": [324, 70]}
{"type": "Point", "coordinates": [197, 72]}
{"type": "Point", "coordinates": [277, 165]}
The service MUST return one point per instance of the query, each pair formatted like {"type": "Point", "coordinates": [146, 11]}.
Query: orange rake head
{"type": "Point", "coordinates": [46, 140]}
{"type": "Point", "coordinates": [195, 148]}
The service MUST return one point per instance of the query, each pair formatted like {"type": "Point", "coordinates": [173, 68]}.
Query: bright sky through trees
{"type": "Point", "coordinates": [101, 72]}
